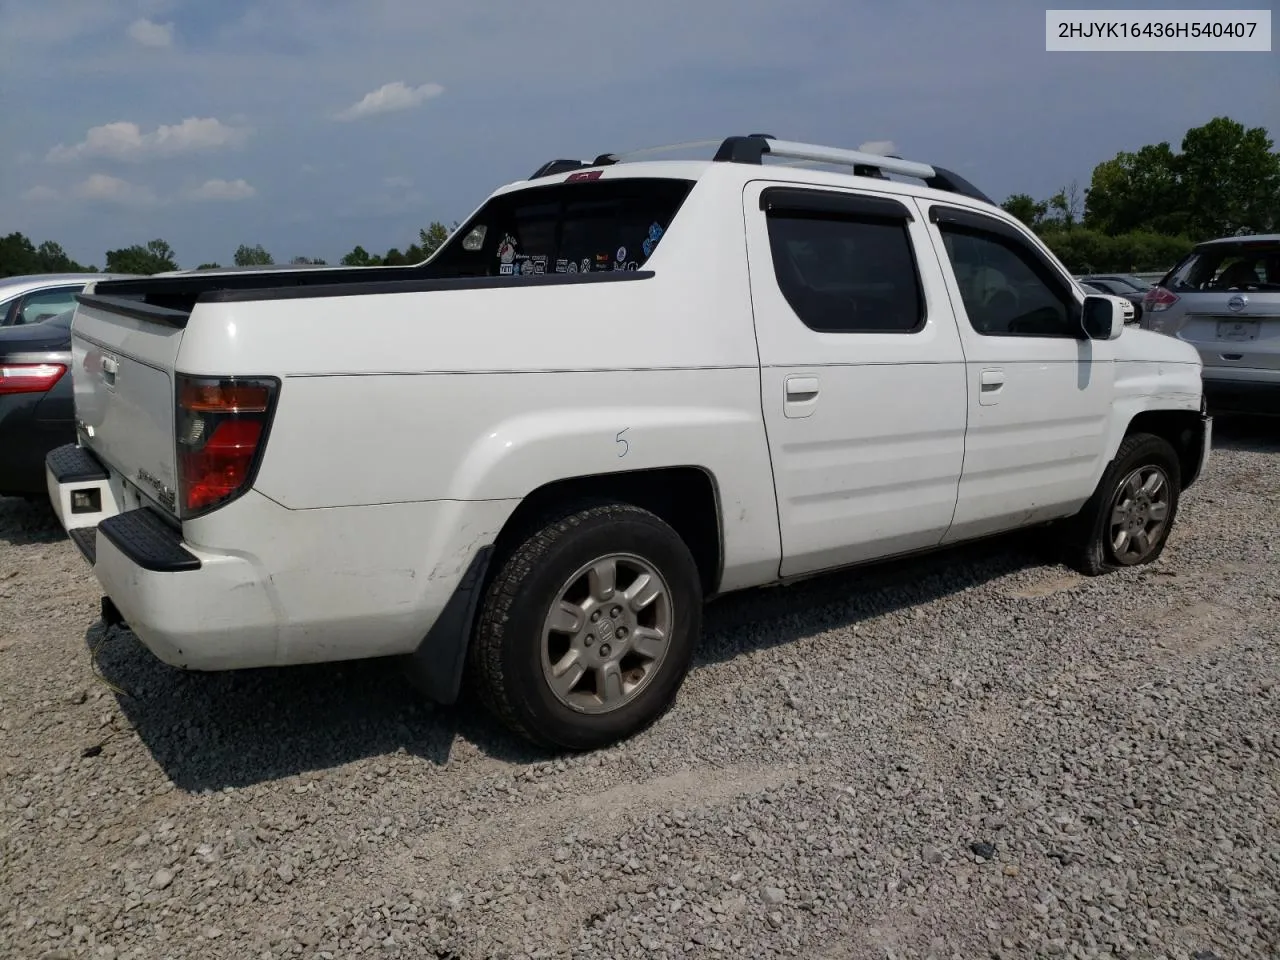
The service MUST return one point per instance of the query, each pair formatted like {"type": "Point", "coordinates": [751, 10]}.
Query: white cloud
{"type": "Point", "coordinates": [880, 148]}
{"type": "Point", "coordinates": [40, 194]}
{"type": "Point", "coordinates": [101, 188]}
{"type": "Point", "coordinates": [223, 190]}
{"type": "Point", "coordinates": [151, 34]}
{"type": "Point", "coordinates": [126, 141]}
{"type": "Point", "coordinates": [389, 97]}
{"type": "Point", "coordinates": [397, 183]}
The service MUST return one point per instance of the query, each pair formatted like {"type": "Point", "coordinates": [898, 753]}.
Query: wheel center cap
{"type": "Point", "coordinates": [604, 629]}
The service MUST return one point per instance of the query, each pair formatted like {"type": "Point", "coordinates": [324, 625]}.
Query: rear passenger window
{"type": "Point", "coordinates": [577, 226]}
{"type": "Point", "coordinates": [846, 272]}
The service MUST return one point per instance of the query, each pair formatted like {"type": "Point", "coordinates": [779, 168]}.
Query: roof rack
{"type": "Point", "coordinates": [753, 148]}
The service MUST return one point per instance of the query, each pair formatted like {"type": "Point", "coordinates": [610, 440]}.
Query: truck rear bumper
{"type": "Point", "coordinates": [299, 586]}
{"type": "Point", "coordinates": [192, 609]}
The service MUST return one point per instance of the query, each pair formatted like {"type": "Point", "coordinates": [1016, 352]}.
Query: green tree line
{"type": "Point", "coordinates": [1141, 211]}
{"type": "Point", "coordinates": [1144, 210]}
{"type": "Point", "coordinates": [19, 256]}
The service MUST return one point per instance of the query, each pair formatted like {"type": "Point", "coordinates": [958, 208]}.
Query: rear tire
{"type": "Point", "coordinates": [587, 629]}
{"type": "Point", "coordinates": [1127, 521]}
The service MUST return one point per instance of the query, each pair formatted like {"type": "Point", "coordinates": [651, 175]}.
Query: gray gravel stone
{"type": "Point", "coordinates": [814, 792]}
{"type": "Point", "coordinates": [161, 879]}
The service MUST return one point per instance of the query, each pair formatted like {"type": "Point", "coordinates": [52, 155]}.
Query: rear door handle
{"type": "Point", "coordinates": [990, 386]}
{"type": "Point", "coordinates": [801, 396]}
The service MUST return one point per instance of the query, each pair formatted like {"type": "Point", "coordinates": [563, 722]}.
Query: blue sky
{"type": "Point", "coordinates": [310, 126]}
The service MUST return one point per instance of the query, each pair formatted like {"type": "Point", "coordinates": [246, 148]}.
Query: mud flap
{"type": "Point", "coordinates": [1201, 447]}
{"type": "Point", "coordinates": [435, 668]}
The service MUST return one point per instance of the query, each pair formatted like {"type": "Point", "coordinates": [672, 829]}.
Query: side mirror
{"type": "Point", "coordinates": [1103, 316]}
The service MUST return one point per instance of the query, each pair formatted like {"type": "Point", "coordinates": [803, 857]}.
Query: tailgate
{"type": "Point", "coordinates": [1248, 338]}
{"type": "Point", "coordinates": [123, 357]}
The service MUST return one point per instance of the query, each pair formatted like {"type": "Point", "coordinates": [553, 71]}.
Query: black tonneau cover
{"type": "Point", "coordinates": [171, 299]}
{"type": "Point", "coordinates": [181, 293]}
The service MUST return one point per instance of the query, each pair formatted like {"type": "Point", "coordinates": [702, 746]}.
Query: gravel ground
{"type": "Point", "coordinates": [972, 755]}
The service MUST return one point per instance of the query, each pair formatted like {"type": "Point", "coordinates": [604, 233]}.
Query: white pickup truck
{"type": "Point", "coordinates": [620, 388]}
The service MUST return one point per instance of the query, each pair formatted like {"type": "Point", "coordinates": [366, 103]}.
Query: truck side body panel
{"type": "Point", "coordinates": [573, 381]}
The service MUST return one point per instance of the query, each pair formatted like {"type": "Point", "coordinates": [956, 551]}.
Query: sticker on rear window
{"type": "Point", "coordinates": [507, 249]}
{"type": "Point", "coordinates": [655, 234]}
{"type": "Point", "coordinates": [529, 266]}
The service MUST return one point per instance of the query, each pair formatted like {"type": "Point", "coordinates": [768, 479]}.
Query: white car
{"type": "Point", "coordinates": [618, 389]}
{"type": "Point", "coordinates": [35, 297]}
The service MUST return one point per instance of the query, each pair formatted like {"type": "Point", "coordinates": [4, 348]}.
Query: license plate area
{"type": "Point", "coordinates": [1237, 331]}
{"type": "Point", "coordinates": [132, 496]}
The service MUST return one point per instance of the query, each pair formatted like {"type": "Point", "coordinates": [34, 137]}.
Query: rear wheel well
{"type": "Point", "coordinates": [1180, 428]}
{"type": "Point", "coordinates": [684, 497]}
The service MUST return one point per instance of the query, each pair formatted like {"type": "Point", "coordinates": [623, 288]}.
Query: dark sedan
{"type": "Point", "coordinates": [1118, 286]}
{"type": "Point", "coordinates": [37, 408]}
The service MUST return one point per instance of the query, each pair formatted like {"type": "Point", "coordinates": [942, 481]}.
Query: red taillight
{"type": "Point", "coordinates": [1157, 299]}
{"type": "Point", "coordinates": [221, 425]}
{"type": "Point", "coordinates": [224, 396]}
{"type": "Point", "coordinates": [29, 377]}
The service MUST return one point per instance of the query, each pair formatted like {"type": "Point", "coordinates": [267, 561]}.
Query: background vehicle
{"type": "Point", "coordinates": [617, 389]}
{"type": "Point", "coordinates": [35, 297]}
{"type": "Point", "coordinates": [263, 268]}
{"type": "Point", "coordinates": [36, 407]}
{"type": "Point", "coordinates": [1224, 299]}
{"type": "Point", "coordinates": [1120, 282]}
{"type": "Point", "coordinates": [1133, 309]}
{"type": "Point", "coordinates": [1119, 287]}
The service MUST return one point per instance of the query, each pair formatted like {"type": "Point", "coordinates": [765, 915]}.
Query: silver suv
{"type": "Point", "coordinates": [1224, 298]}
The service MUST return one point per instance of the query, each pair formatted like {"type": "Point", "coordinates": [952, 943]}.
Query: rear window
{"type": "Point", "coordinates": [584, 226]}
{"type": "Point", "coordinates": [1229, 266]}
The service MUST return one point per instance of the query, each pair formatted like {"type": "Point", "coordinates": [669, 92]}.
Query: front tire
{"type": "Point", "coordinates": [1127, 521]}
{"type": "Point", "coordinates": [588, 627]}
